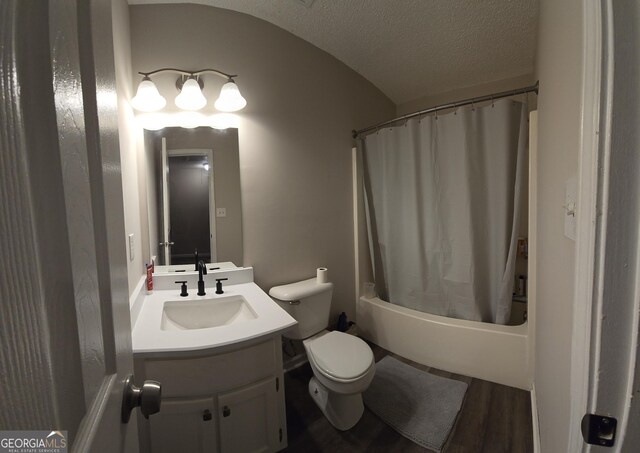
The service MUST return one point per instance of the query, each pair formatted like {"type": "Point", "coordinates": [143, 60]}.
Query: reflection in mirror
{"type": "Point", "coordinates": [193, 183]}
{"type": "Point", "coordinates": [189, 205]}
{"type": "Point", "coordinates": [190, 268]}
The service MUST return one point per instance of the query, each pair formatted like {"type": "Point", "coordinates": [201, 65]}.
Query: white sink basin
{"type": "Point", "coordinates": [205, 313]}
{"type": "Point", "coordinates": [167, 324]}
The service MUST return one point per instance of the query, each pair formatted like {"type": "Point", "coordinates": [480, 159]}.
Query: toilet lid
{"type": "Point", "coordinates": [341, 355]}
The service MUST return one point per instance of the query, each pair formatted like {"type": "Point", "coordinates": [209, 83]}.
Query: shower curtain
{"type": "Point", "coordinates": [443, 200]}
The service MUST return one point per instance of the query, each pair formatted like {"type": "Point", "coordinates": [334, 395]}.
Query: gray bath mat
{"type": "Point", "coordinates": [420, 406]}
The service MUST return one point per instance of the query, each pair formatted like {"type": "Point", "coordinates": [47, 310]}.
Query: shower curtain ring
{"type": "Point", "coordinates": [455, 108]}
{"type": "Point", "coordinates": [492, 105]}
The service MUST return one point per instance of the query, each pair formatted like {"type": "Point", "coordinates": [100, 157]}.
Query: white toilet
{"type": "Point", "coordinates": [342, 364]}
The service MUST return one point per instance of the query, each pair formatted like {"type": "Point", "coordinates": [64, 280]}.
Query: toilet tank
{"type": "Point", "coordinates": [308, 302]}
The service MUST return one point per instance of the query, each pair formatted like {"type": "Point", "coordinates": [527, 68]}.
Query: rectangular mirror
{"type": "Point", "coordinates": [193, 183]}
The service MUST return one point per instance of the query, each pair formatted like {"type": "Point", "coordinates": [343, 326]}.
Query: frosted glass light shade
{"type": "Point", "coordinates": [147, 98]}
{"type": "Point", "coordinates": [191, 97]}
{"type": "Point", "coordinates": [230, 99]}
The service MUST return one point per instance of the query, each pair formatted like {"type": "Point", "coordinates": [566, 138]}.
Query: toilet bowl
{"type": "Point", "coordinates": [343, 365]}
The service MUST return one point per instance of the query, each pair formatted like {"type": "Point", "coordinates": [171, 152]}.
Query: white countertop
{"type": "Point", "coordinates": [149, 339]}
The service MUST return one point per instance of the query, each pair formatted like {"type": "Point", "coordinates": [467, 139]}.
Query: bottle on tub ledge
{"type": "Point", "coordinates": [344, 325]}
{"type": "Point", "coordinates": [522, 286]}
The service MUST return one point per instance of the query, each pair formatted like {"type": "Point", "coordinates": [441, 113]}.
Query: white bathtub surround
{"type": "Point", "coordinates": [492, 352]}
{"type": "Point", "coordinates": [501, 354]}
{"type": "Point", "coordinates": [444, 201]}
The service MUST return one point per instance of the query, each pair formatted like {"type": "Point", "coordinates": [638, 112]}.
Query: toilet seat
{"type": "Point", "coordinates": [340, 356]}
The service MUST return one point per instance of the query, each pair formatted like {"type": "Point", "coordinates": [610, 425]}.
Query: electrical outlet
{"type": "Point", "coordinates": [221, 212]}
{"type": "Point", "coordinates": [131, 248]}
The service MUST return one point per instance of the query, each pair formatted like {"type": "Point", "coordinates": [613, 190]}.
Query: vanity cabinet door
{"type": "Point", "coordinates": [249, 419]}
{"type": "Point", "coordinates": [184, 425]}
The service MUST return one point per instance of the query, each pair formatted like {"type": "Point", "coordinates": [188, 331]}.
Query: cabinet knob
{"type": "Point", "coordinates": [206, 416]}
{"type": "Point", "coordinates": [226, 411]}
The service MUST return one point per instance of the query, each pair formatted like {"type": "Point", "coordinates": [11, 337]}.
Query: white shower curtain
{"type": "Point", "coordinates": [443, 204]}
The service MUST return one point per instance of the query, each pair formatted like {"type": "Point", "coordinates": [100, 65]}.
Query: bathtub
{"type": "Point", "coordinates": [486, 351]}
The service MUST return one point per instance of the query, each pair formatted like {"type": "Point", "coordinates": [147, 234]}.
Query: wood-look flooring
{"type": "Point", "coordinates": [494, 419]}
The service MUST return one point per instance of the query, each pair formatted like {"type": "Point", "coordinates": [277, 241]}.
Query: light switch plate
{"type": "Point", "coordinates": [221, 212]}
{"type": "Point", "coordinates": [131, 248]}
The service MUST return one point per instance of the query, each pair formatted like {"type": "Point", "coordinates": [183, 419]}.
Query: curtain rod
{"type": "Point", "coordinates": [450, 105]}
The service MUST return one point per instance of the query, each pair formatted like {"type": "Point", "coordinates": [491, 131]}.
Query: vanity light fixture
{"type": "Point", "coordinates": [148, 98]}
{"type": "Point", "coordinates": [230, 99]}
{"type": "Point", "coordinates": [190, 98]}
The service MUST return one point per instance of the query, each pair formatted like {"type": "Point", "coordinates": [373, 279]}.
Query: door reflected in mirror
{"type": "Point", "coordinates": [194, 195]}
{"type": "Point", "coordinates": [189, 206]}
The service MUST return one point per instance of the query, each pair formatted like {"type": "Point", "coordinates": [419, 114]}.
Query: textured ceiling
{"type": "Point", "coordinates": [409, 48]}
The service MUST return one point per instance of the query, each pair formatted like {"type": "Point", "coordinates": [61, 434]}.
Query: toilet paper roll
{"type": "Point", "coordinates": [321, 275]}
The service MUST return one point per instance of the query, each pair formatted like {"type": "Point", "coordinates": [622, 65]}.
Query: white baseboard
{"type": "Point", "coordinates": [294, 362]}
{"type": "Point", "coordinates": [534, 420]}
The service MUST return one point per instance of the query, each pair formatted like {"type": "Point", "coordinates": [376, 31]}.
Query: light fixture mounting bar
{"type": "Point", "coordinates": [189, 73]}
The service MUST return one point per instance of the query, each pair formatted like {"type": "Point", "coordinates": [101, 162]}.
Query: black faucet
{"type": "Point", "coordinates": [202, 270]}
{"type": "Point", "coordinates": [196, 260]}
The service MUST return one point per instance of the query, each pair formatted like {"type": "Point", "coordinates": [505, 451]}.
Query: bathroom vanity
{"type": "Point", "coordinates": [219, 360]}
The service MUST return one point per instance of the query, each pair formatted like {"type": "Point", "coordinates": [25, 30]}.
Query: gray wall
{"type": "Point", "coordinates": [559, 69]}
{"type": "Point", "coordinates": [133, 187]}
{"type": "Point", "coordinates": [484, 89]}
{"type": "Point", "coordinates": [294, 134]}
